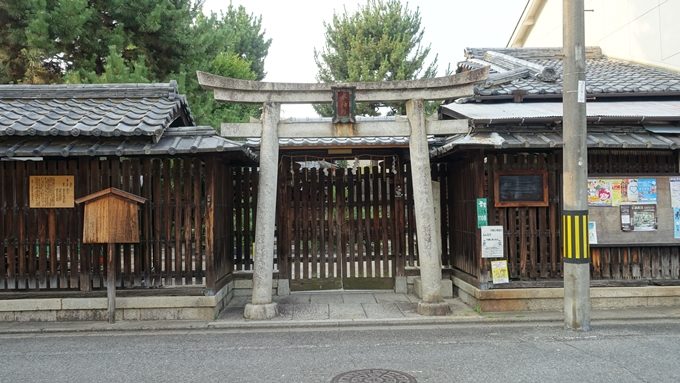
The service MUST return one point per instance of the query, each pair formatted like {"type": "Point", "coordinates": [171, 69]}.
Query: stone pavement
{"type": "Point", "coordinates": [342, 306]}
{"type": "Point", "coordinates": [341, 309]}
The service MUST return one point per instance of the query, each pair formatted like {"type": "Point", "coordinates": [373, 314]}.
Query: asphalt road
{"type": "Point", "coordinates": [635, 352]}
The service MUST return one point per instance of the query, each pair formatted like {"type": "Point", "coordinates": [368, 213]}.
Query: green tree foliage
{"type": "Point", "coordinates": [116, 70]}
{"type": "Point", "coordinates": [382, 41]}
{"type": "Point", "coordinates": [213, 112]}
{"type": "Point", "coordinates": [232, 31]}
{"type": "Point", "coordinates": [102, 41]}
{"type": "Point", "coordinates": [230, 44]}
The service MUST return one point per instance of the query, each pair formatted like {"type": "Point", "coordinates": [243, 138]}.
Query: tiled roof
{"type": "Point", "coordinates": [180, 140]}
{"type": "Point", "coordinates": [506, 139]}
{"type": "Point", "coordinates": [640, 111]}
{"type": "Point", "coordinates": [519, 70]}
{"type": "Point", "coordinates": [338, 141]}
{"type": "Point", "coordinates": [108, 110]}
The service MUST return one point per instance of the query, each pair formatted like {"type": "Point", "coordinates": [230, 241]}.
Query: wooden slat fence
{"type": "Point", "coordinates": [42, 249]}
{"type": "Point", "coordinates": [336, 226]}
{"type": "Point", "coordinates": [458, 190]}
{"type": "Point", "coordinates": [532, 234]}
{"type": "Point", "coordinates": [410, 249]}
{"type": "Point", "coordinates": [242, 203]}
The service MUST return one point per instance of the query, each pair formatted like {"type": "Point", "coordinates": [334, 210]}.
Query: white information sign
{"type": "Point", "coordinates": [581, 97]}
{"type": "Point", "coordinates": [492, 241]}
{"type": "Point", "coordinates": [675, 191]}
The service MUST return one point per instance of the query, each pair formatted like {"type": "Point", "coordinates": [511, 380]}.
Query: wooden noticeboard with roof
{"type": "Point", "coordinates": [111, 216]}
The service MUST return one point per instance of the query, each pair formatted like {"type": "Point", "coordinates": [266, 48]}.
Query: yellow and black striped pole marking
{"type": "Point", "coordinates": [576, 248]}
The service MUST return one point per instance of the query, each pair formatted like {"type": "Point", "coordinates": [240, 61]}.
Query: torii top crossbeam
{"type": "Point", "coordinates": [247, 91]}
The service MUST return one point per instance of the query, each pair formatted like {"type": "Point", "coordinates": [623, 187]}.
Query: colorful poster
{"type": "Point", "coordinates": [592, 233]}
{"type": "Point", "coordinates": [499, 272]}
{"type": "Point", "coordinates": [616, 191]}
{"type": "Point", "coordinates": [492, 241]}
{"type": "Point", "coordinates": [599, 192]}
{"type": "Point", "coordinates": [631, 190]}
{"type": "Point", "coordinates": [675, 191]}
{"type": "Point", "coordinates": [676, 223]}
{"type": "Point", "coordinates": [647, 190]}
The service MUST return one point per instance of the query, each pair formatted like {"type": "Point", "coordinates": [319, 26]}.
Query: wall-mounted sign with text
{"type": "Point", "coordinates": [482, 213]}
{"type": "Point", "coordinates": [51, 191]}
{"type": "Point", "coordinates": [492, 241]}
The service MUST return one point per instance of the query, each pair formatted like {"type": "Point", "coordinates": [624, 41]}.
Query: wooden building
{"type": "Point", "coordinates": [345, 212]}
{"type": "Point", "coordinates": [62, 142]}
{"type": "Point", "coordinates": [633, 115]}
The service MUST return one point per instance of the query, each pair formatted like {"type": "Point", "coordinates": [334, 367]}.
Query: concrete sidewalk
{"type": "Point", "coordinates": [339, 309]}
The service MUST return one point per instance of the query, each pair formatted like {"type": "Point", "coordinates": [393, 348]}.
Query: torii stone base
{"type": "Point", "coordinates": [261, 311]}
{"type": "Point", "coordinates": [433, 309]}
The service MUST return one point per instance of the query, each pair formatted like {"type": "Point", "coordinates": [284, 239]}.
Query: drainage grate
{"type": "Point", "coordinates": [374, 375]}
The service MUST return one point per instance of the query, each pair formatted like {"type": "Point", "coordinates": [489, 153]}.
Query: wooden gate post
{"type": "Point", "coordinates": [262, 306]}
{"type": "Point", "coordinates": [429, 257]}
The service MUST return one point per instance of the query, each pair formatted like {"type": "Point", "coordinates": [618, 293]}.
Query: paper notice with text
{"type": "Point", "coordinates": [51, 191]}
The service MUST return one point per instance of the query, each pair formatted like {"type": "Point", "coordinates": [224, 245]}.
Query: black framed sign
{"type": "Point", "coordinates": [514, 188]}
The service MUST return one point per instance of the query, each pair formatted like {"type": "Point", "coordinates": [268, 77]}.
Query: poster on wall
{"type": "Point", "coordinates": [492, 241]}
{"type": "Point", "coordinates": [675, 192]}
{"type": "Point", "coordinates": [616, 191]}
{"type": "Point", "coordinates": [626, 224]}
{"type": "Point", "coordinates": [599, 192]}
{"type": "Point", "coordinates": [499, 272]}
{"type": "Point", "coordinates": [592, 233]}
{"type": "Point", "coordinates": [676, 222]}
{"type": "Point", "coordinates": [629, 190]}
{"type": "Point", "coordinates": [638, 217]}
{"type": "Point", "coordinates": [647, 190]}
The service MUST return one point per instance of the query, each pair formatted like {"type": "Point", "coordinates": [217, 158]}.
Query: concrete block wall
{"type": "Point", "coordinates": [127, 308]}
{"type": "Point", "coordinates": [243, 286]}
{"type": "Point", "coordinates": [552, 299]}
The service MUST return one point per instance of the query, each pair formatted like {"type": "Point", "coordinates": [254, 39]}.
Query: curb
{"type": "Point", "coordinates": [21, 328]}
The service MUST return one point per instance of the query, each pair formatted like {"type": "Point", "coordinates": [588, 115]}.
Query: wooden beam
{"type": "Point", "coordinates": [394, 128]}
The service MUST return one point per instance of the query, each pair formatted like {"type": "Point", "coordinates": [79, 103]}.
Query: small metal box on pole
{"type": "Point", "coordinates": [111, 216]}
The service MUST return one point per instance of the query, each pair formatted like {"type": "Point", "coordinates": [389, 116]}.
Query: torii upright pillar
{"type": "Point", "coordinates": [261, 306]}
{"type": "Point", "coordinates": [429, 257]}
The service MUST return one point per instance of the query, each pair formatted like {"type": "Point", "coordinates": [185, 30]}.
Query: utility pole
{"type": "Point", "coordinates": [575, 246]}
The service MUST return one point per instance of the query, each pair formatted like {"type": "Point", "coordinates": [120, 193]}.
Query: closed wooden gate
{"type": "Point", "coordinates": [340, 226]}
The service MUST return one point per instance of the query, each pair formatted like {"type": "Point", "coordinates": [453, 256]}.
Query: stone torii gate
{"type": "Point", "coordinates": [416, 127]}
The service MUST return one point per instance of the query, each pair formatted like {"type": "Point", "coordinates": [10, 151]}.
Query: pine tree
{"type": "Point", "coordinates": [382, 41]}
